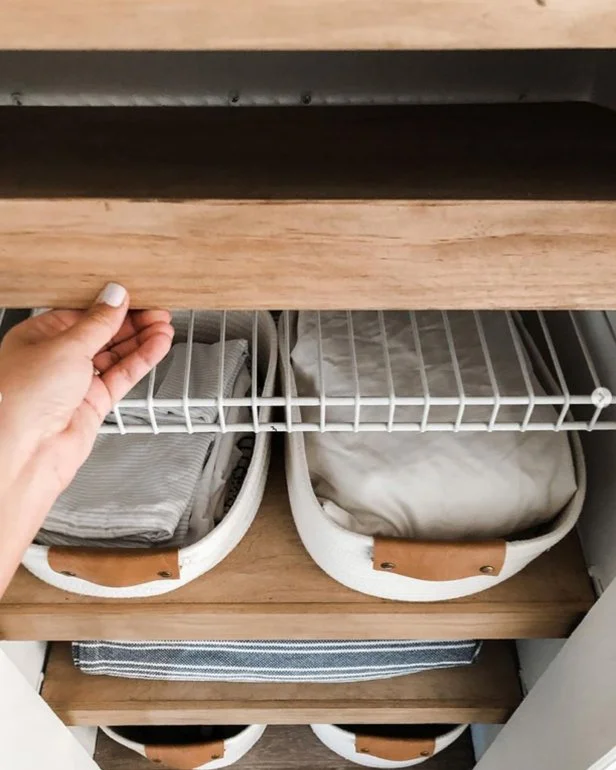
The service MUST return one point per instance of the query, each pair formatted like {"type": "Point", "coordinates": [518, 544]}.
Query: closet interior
{"type": "Point", "coordinates": [367, 466]}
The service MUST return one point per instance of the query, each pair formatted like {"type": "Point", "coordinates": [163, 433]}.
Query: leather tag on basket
{"type": "Point", "coordinates": [438, 559]}
{"type": "Point", "coordinates": [186, 757]}
{"type": "Point", "coordinates": [116, 568]}
{"type": "Point", "coordinates": [395, 749]}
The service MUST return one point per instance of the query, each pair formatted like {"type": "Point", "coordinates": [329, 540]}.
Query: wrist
{"type": "Point", "coordinates": [17, 446]}
{"type": "Point", "coordinates": [24, 503]}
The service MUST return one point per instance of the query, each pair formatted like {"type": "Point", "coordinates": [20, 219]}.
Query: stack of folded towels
{"type": "Point", "coordinates": [142, 490]}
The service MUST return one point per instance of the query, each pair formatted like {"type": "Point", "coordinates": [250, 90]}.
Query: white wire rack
{"type": "Point", "coordinates": [551, 381]}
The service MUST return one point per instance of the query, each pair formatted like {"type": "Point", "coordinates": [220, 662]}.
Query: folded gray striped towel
{"type": "Point", "coordinates": [140, 490]}
{"type": "Point", "coordinates": [270, 660]}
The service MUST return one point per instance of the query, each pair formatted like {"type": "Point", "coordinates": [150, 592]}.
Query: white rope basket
{"type": "Point", "coordinates": [188, 756]}
{"type": "Point", "coordinates": [369, 750]}
{"type": "Point", "coordinates": [357, 561]}
{"type": "Point", "coordinates": [124, 573]}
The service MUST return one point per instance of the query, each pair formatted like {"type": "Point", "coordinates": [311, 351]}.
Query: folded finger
{"type": "Point", "coordinates": [126, 373]}
{"type": "Point", "coordinates": [97, 402]}
{"type": "Point", "coordinates": [107, 358]}
{"type": "Point", "coordinates": [137, 321]}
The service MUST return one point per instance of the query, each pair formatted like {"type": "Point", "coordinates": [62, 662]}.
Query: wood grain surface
{"type": "Point", "coordinates": [285, 748]}
{"type": "Point", "coordinates": [293, 24]}
{"type": "Point", "coordinates": [488, 691]}
{"type": "Point", "coordinates": [269, 584]}
{"type": "Point", "coordinates": [420, 255]}
{"type": "Point", "coordinates": [424, 207]}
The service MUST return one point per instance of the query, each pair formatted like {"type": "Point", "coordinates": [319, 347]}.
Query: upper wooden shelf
{"type": "Point", "coordinates": [407, 207]}
{"type": "Point", "coordinates": [488, 691]}
{"type": "Point", "coordinates": [269, 587]}
{"type": "Point", "coordinates": [297, 25]}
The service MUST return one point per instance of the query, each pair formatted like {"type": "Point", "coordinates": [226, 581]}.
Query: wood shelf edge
{"type": "Point", "coordinates": [279, 713]}
{"type": "Point", "coordinates": [487, 691]}
{"type": "Point", "coordinates": [563, 264]}
{"type": "Point", "coordinates": [541, 621]}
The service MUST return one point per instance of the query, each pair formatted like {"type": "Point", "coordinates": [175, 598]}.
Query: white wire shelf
{"type": "Point", "coordinates": [556, 385]}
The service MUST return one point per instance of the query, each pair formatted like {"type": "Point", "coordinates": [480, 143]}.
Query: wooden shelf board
{"type": "Point", "coordinates": [438, 206]}
{"type": "Point", "coordinates": [487, 691]}
{"type": "Point", "coordinates": [269, 585]}
{"type": "Point", "coordinates": [295, 25]}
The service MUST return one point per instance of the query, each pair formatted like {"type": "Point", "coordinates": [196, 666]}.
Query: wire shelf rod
{"type": "Point", "coordinates": [322, 402]}
{"type": "Point", "coordinates": [422, 370]}
{"type": "Point", "coordinates": [254, 407]}
{"type": "Point", "coordinates": [187, 371]}
{"type": "Point", "coordinates": [348, 427]}
{"type": "Point", "coordinates": [221, 374]}
{"type": "Point", "coordinates": [388, 371]}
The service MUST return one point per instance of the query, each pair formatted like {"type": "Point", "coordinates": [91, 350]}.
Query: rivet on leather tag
{"type": "Point", "coordinates": [438, 560]}
{"type": "Point", "coordinates": [395, 749]}
{"type": "Point", "coordinates": [116, 568]}
{"type": "Point", "coordinates": [188, 756]}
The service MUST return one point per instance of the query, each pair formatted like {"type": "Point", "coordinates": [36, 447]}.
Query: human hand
{"type": "Point", "coordinates": [53, 400]}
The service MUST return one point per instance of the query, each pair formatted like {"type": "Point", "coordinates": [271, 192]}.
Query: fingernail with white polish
{"type": "Point", "coordinates": [113, 294]}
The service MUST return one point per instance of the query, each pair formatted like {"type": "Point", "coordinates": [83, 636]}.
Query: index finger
{"type": "Point", "coordinates": [135, 322]}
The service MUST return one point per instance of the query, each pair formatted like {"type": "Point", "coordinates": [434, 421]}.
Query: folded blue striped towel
{"type": "Point", "coordinates": [270, 660]}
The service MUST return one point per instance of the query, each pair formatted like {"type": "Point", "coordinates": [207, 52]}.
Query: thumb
{"type": "Point", "coordinates": [102, 321]}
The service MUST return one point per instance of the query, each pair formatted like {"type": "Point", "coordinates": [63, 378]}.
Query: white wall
{"type": "Point", "coordinates": [29, 657]}
{"type": "Point", "coordinates": [31, 735]}
{"type": "Point", "coordinates": [568, 720]}
{"type": "Point", "coordinates": [598, 520]}
{"type": "Point", "coordinates": [535, 656]}
{"type": "Point", "coordinates": [597, 525]}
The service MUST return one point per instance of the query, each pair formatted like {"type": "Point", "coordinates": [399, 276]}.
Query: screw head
{"type": "Point", "coordinates": [389, 565]}
{"type": "Point", "coordinates": [215, 756]}
{"type": "Point", "coordinates": [364, 751]}
{"type": "Point", "coordinates": [424, 753]}
{"type": "Point", "coordinates": [164, 573]}
{"type": "Point", "coordinates": [67, 573]}
{"type": "Point", "coordinates": [487, 569]}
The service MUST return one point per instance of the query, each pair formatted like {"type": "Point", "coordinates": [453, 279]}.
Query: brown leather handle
{"type": "Point", "coordinates": [186, 757]}
{"type": "Point", "coordinates": [116, 568]}
{"type": "Point", "coordinates": [395, 749]}
{"type": "Point", "coordinates": [438, 560]}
